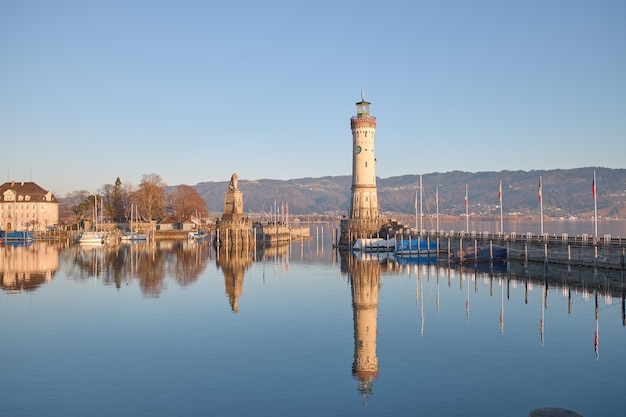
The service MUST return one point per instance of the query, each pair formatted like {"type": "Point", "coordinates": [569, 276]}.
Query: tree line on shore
{"type": "Point", "coordinates": [149, 201]}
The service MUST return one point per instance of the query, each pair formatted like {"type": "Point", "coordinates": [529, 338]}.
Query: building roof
{"type": "Point", "coordinates": [29, 191]}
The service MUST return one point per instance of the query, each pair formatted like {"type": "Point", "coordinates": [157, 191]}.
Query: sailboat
{"type": "Point", "coordinates": [92, 237]}
{"type": "Point", "coordinates": [416, 246]}
{"type": "Point", "coordinates": [133, 235]}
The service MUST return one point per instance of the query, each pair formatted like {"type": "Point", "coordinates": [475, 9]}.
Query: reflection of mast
{"type": "Point", "coordinates": [467, 301]}
{"type": "Point", "coordinates": [597, 334]}
{"type": "Point", "coordinates": [502, 306]}
{"type": "Point", "coordinates": [420, 294]}
{"type": "Point", "coordinates": [437, 290]}
{"type": "Point", "coordinates": [623, 305]}
{"type": "Point", "coordinates": [365, 283]}
{"type": "Point", "coordinates": [541, 321]}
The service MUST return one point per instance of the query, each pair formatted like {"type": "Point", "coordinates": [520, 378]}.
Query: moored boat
{"type": "Point", "coordinates": [415, 247]}
{"type": "Point", "coordinates": [134, 236]}
{"type": "Point", "coordinates": [16, 235]}
{"type": "Point", "coordinates": [90, 237]}
{"type": "Point", "coordinates": [480, 254]}
{"type": "Point", "coordinates": [374, 245]}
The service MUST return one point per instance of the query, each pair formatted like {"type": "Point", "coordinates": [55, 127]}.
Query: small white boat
{"type": "Point", "coordinates": [134, 236]}
{"type": "Point", "coordinates": [374, 245]}
{"type": "Point", "coordinates": [90, 237]}
{"type": "Point", "coordinates": [197, 235]}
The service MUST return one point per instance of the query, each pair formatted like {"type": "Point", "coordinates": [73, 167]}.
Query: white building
{"type": "Point", "coordinates": [27, 206]}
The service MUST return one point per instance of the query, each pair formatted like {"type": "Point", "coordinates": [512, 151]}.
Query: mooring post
{"type": "Point", "coordinates": [526, 252]}
{"type": "Point", "coordinates": [569, 253]}
{"type": "Point", "coordinates": [475, 250]}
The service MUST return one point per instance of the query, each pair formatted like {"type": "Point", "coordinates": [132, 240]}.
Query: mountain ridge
{"type": "Point", "coordinates": [565, 193]}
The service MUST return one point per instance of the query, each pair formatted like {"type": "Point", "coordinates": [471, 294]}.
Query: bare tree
{"type": "Point", "coordinates": [107, 194]}
{"type": "Point", "coordinates": [151, 197]}
{"type": "Point", "coordinates": [79, 205]}
{"type": "Point", "coordinates": [186, 202]}
{"type": "Point", "coordinates": [129, 196]}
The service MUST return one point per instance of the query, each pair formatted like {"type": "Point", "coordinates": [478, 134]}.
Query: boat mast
{"type": "Point", "coordinates": [421, 212]}
{"type": "Point", "coordinates": [595, 204]}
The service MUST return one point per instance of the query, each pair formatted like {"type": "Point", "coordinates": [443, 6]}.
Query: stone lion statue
{"type": "Point", "coordinates": [234, 179]}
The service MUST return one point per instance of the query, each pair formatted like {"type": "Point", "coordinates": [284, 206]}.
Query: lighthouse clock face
{"type": "Point", "coordinates": [357, 149]}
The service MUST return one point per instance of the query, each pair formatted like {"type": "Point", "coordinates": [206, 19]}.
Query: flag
{"type": "Point", "coordinates": [465, 202]}
{"type": "Point", "coordinates": [500, 194]}
{"type": "Point", "coordinates": [437, 196]}
{"type": "Point", "coordinates": [593, 186]}
{"type": "Point", "coordinates": [539, 191]}
{"type": "Point", "coordinates": [415, 202]}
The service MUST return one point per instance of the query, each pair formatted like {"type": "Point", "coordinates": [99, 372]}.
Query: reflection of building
{"type": "Point", "coordinates": [365, 283]}
{"type": "Point", "coordinates": [27, 206]}
{"type": "Point", "coordinates": [24, 267]}
{"type": "Point", "coordinates": [234, 263]}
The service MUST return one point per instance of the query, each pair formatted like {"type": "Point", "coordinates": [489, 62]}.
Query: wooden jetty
{"type": "Point", "coordinates": [581, 251]}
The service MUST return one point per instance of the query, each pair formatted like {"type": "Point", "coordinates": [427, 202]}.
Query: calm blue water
{"type": "Point", "coordinates": [177, 329]}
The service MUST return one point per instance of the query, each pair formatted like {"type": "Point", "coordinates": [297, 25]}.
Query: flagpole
{"type": "Point", "coordinates": [595, 203]}
{"type": "Point", "coordinates": [421, 212]}
{"type": "Point", "coordinates": [500, 201]}
{"type": "Point", "coordinates": [466, 211]}
{"type": "Point", "coordinates": [415, 207]}
{"type": "Point", "coordinates": [437, 204]}
{"type": "Point", "coordinates": [541, 205]}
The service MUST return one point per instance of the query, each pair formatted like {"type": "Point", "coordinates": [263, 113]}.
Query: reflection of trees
{"type": "Point", "coordinates": [184, 261]}
{"type": "Point", "coordinates": [150, 264]}
{"type": "Point", "coordinates": [233, 263]}
{"type": "Point", "coordinates": [190, 262]}
{"type": "Point", "coordinates": [151, 271]}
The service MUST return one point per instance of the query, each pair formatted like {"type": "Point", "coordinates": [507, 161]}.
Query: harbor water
{"type": "Point", "coordinates": [176, 328]}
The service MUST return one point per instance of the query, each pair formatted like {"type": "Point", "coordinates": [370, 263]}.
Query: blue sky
{"type": "Point", "coordinates": [196, 90]}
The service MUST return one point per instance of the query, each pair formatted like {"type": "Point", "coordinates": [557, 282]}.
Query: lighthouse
{"type": "Point", "coordinates": [363, 212]}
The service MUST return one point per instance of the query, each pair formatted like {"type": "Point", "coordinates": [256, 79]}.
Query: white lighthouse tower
{"type": "Point", "coordinates": [364, 219]}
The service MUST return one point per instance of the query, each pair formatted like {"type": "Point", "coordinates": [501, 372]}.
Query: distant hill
{"type": "Point", "coordinates": [566, 193]}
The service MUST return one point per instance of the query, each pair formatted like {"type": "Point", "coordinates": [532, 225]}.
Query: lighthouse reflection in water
{"type": "Point", "coordinates": [178, 328]}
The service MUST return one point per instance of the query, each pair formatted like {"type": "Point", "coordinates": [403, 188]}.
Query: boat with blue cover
{"type": "Point", "coordinates": [16, 235]}
{"type": "Point", "coordinates": [415, 246]}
